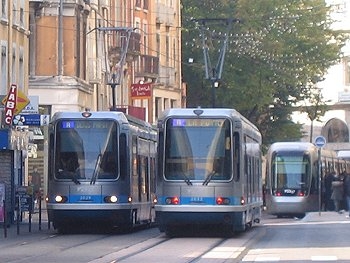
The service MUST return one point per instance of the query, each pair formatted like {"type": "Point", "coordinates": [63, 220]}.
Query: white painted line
{"type": "Point", "coordinates": [266, 259]}
{"type": "Point", "coordinates": [324, 258]}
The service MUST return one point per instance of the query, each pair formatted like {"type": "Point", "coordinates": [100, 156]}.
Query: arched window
{"type": "Point", "coordinates": [335, 130]}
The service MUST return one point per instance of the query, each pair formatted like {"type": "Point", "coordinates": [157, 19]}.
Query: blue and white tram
{"type": "Point", "coordinates": [292, 177]}
{"type": "Point", "coordinates": [209, 170]}
{"type": "Point", "coordinates": [102, 169]}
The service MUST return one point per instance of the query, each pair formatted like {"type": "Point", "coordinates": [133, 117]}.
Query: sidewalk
{"type": "Point", "coordinates": [326, 216]}
{"type": "Point", "coordinates": [24, 228]}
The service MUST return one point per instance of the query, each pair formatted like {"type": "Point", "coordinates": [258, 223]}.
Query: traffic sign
{"type": "Point", "coordinates": [320, 141]}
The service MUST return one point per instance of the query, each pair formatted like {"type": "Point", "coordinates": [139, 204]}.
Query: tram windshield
{"type": "Point", "coordinates": [291, 172]}
{"type": "Point", "coordinates": [86, 150]}
{"type": "Point", "coordinates": [198, 149]}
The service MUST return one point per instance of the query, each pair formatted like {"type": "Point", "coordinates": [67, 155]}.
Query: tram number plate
{"type": "Point", "coordinates": [85, 198]}
{"type": "Point", "coordinates": [196, 199]}
{"type": "Point", "coordinates": [289, 191]}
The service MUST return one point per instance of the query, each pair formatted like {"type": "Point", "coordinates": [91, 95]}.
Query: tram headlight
{"type": "Point", "coordinates": [242, 200]}
{"type": "Point", "coordinates": [222, 200]}
{"type": "Point", "coordinates": [60, 199]}
{"type": "Point", "coordinates": [172, 200]}
{"type": "Point", "coordinates": [111, 199]}
{"type": "Point", "coordinates": [155, 200]}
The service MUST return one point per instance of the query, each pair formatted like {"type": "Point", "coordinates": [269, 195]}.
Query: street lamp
{"type": "Point", "coordinates": [214, 85]}
{"type": "Point", "coordinates": [113, 83]}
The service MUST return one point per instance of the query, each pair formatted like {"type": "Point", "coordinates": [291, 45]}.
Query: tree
{"type": "Point", "coordinates": [315, 108]}
{"type": "Point", "coordinates": [275, 52]}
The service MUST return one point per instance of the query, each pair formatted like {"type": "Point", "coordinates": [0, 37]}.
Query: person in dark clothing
{"type": "Point", "coordinates": [328, 202]}
{"type": "Point", "coordinates": [337, 193]}
{"type": "Point", "coordinates": [35, 182]}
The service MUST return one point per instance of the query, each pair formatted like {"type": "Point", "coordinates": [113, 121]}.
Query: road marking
{"type": "Point", "coordinates": [266, 259]}
{"type": "Point", "coordinates": [324, 258]}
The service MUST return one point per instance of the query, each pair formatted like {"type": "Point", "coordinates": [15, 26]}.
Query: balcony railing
{"type": "Point", "coordinates": [147, 66]}
{"type": "Point", "coordinates": [165, 14]}
{"type": "Point", "coordinates": [119, 41]}
{"type": "Point", "coordinates": [167, 76]}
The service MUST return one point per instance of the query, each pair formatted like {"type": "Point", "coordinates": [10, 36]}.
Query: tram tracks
{"type": "Point", "coordinates": [189, 249]}
{"type": "Point", "coordinates": [148, 245]}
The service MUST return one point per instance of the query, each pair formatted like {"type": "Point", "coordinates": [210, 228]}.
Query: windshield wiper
{"type": "Point", "coordinates": [97, 169]}
{"type": "Point", "coordinates": [208, 178]}
{"type": "Point", "coordinates": [187, 180]}
{"type": "Point", "coordinates": [75, 178]}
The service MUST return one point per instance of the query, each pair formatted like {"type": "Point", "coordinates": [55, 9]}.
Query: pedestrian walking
{"type": "Point", "coordinates": [337, 193]}
{"type": "Point", "coordinates": [35, 182]}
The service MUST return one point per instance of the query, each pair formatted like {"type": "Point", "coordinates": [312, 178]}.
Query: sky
{"type": "Point", "coordinates": [334, 82]}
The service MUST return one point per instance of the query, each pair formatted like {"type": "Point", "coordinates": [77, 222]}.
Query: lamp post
{"type": "Point", "coordinates": [113, 84]}
{"type": "Point", "coordinates": [214, 85]}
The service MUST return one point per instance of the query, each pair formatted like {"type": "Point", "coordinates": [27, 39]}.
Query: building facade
{"type": "Point", "coordinates": [152, 71]}
{"type": "Point", "coordinates": [14, 32]}
{"type": "Point", "coordinates": [103, 55]}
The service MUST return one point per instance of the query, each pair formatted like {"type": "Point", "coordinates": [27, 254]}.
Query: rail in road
{"type": "Point", "coordinates": [265, 243]}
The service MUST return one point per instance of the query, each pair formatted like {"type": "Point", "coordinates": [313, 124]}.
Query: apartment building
{"type": "Point", "coordinates": [103, 55]}
{"type": "Point", "coordinates": [152, 72]}
{"type": "Point", "coordinates": [14, 32]}
{"type": "Point", "coordinates": [100, 54]}
{"type": "Point", "coordinates": [169, 91]}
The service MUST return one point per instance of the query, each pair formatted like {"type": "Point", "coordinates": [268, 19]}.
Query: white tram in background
{"type": "Point", "coordinates": [292, 183]}
{"type": "Point", "coordinates": [101, 170]}
{"type": "Point", "coordinates": [209, 170]}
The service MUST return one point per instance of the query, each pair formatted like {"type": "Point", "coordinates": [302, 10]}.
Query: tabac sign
{"type": "Point", "coordinates": [139, 90]}
{"type": "Point", "coordinates": [14, 102]}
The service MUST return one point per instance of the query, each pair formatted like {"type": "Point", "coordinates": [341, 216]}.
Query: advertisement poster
{"type": "Point", "coordinates": [2, 199]}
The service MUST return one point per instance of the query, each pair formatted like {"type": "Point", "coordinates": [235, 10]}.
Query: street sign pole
{"type": "Point", "coordinates": [320, 141]}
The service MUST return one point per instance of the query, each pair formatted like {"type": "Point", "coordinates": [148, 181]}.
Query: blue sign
{"type": "Point", "coordinates": [4, 139]}
{"type": "Point", "coordinates": [30, 120]}
{"type": "Point", "coordinates": [320, 141]}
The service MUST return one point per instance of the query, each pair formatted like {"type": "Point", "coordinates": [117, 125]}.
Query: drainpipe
{"type": "Point", "coordinates": [60, 39]}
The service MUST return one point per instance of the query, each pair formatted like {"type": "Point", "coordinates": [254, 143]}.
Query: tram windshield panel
{"type": "Point", "coordinates": [290, 173]}
{"type": "Point", "coordinates": [198, 149]}
{"type": "Point", "coordinates": [86, 150]}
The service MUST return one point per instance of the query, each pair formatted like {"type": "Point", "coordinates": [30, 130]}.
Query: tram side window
{"type": "Point", "coordinates": [51, 154]}
{"type": "Point", "coordinates": [314, 181]}
{"type": "Point", "coordinates": [122, 156]}
{"type": "Point", "coordinates": [236, 157]}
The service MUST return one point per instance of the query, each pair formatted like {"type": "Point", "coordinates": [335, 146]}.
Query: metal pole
{"type": "Point", "coordinates": [113, 97]}
{"type": "Point", "coordinates": [213, 93]}
{"type": "Point", "coordinates": [60, 39]}
{"type": "Point", "coordinates": [319, 181]}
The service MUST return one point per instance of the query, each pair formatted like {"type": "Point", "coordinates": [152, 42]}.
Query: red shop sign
{"type": "Point", "coordinates": [141, 90]}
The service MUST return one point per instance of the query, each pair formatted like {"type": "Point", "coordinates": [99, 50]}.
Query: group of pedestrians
{"type": "Point", "coordinates": [337, 192]}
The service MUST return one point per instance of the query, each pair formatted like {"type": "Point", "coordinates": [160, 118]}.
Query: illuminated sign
{"type": "Point", "coordinates": [197, 122]}
{"type": "Point", "coordinates": [97, 124]}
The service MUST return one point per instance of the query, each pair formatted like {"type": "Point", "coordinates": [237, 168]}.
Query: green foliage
{"type": "Point", "coordinates": [275, 56]}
